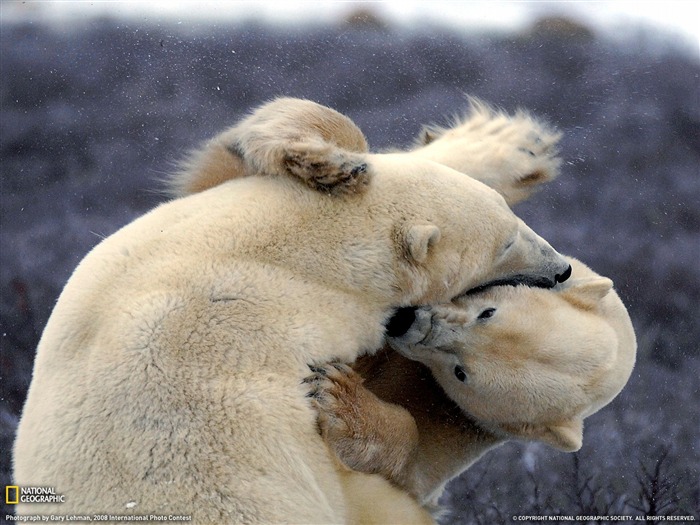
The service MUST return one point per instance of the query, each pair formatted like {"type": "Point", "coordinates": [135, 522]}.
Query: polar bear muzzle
{"type": "Point", "coordinates": [401, 321]}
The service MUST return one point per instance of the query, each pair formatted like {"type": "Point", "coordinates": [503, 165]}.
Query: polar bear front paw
{"type": "Point", "coordinates": [534, 155]}
{"type": "Point", "coordinates": [325, 167]}
{"type": "Point", "coordinates": [335, 390]}
{"type": "Point", "coordinates": [513, 154]}
{"type": "Point", "coordinates": [366, 433]}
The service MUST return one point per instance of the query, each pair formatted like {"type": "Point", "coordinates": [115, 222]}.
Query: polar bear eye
{"type": "Point", "coordinates": [486, 314]}
{"type": "Point", "coordinates": [460, 374]}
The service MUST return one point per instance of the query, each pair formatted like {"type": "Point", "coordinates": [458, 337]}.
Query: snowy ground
{"type": "Point", "coordinates": [92, 117]}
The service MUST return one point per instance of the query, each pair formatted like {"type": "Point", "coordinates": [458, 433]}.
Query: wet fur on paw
{"type": "Point", "coordinates": [366, 433]}
{"type": "Point", "coordinates": [326, 168]}
{"type": "Point", "coordinates": [285, 137]}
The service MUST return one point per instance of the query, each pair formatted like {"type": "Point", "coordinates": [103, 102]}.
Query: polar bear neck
{"type": "Point", "coordinates": [279, 223]}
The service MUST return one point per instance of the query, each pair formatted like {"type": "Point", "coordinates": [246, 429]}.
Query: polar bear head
{"type": "Point", "coordinates": [454, 234]}
{"type": "Point", "coordinates": [529, 362]}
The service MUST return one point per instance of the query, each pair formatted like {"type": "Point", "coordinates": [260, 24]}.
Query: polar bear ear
{"type": "Point", "coordinates": [563, 435]}
{"type": "Point", "coordinates": [419, 239]}
{"type": "Point", "coordinates": [587, 292]}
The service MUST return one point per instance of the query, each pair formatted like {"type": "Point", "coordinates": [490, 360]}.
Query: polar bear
{"type": "Point", "coordinates": [514, 154]}
{"type": "Point", "coordinates": [501, 363]}
{"type": "Point", "coordinates": [168, 380]}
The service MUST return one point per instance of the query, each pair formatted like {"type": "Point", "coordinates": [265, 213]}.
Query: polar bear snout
{"type": "Point", "coordinates": [401, 321]}
{"type": "Point", "coordinates": [528, 260]}
{"type": "Point", "coordinates": [560, 278]}
{"type": "Point", "coordinates": [553, 274]}
{"type": "Point", "coordinates": [416, 333]}
{"type": "Point", "coordinates": [555, 268]}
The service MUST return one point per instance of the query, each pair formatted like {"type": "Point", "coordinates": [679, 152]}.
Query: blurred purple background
{"type": "Point", "coordinates": [95, 112]}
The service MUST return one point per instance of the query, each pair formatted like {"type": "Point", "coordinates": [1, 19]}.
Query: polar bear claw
{"type": "Point", "coordinates": [326, 168]}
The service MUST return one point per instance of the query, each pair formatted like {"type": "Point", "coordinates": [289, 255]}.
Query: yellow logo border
{"type": "Point", "coordinates": [7, 494]}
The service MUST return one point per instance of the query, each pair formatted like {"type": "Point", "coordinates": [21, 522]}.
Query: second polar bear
{"type": "Point", "coordinates": [502, 363]}
{"type": "Point", "coordinates": [168, 379]}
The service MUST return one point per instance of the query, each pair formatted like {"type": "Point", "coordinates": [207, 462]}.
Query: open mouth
{"type": "Point", "coordinates": [517, 280]}
{"type": "Point", "coordinates": [533, 281]}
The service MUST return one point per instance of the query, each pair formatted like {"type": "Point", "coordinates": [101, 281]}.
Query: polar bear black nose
{"type": "Point", "coordinates": [561, 277]}
{"type": "Point", "coordinates": [400, 322]}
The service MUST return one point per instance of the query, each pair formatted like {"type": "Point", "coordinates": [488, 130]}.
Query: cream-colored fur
{"type": "Point", "coordinates": [510, 362]}
{"type": "Point", "coordinates": [528, 381]}
{"type": "Point", "coordinates": [168, 379]}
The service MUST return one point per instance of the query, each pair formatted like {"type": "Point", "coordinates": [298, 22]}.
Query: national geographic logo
{"type": "Point", "coordinates": [15, 494]}
{"type": "Point", "coordinates": [11, 494]}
